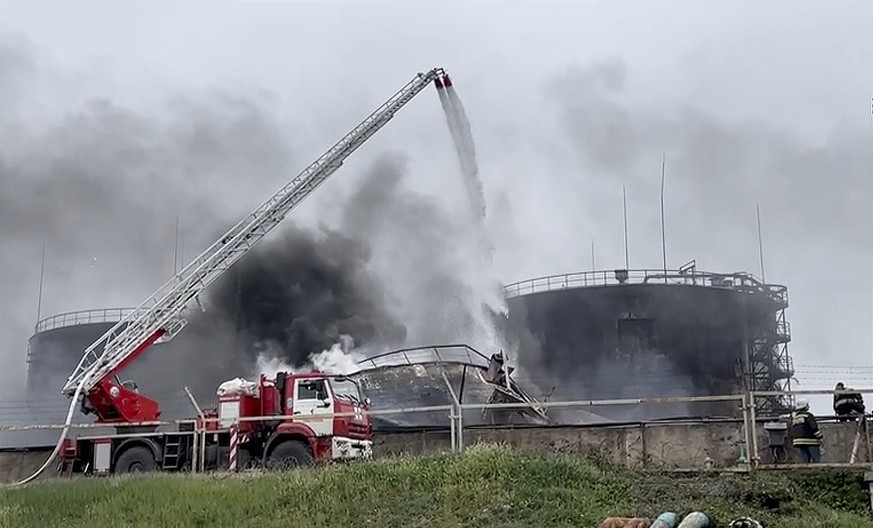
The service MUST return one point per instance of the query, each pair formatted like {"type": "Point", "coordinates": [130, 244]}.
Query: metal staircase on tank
{"type": "Point", "coordinates": [768, 365]}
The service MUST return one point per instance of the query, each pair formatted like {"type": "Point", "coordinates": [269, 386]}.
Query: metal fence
{"type": "Point", "coordinates": [746, 432]}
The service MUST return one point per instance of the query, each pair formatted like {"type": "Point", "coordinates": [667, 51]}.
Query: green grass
{"type": "Point", "coordinates": [488, 486]}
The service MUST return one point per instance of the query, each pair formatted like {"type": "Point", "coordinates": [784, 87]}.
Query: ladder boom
{"type": "Point", "coordinates": [161, 313]}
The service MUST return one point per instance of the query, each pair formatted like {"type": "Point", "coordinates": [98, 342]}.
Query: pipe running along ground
{"type": "Point", "coordinates": [66, 429]}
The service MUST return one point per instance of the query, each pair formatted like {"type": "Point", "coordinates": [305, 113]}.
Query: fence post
{"type": "Point", "coordinates": [234, 445]}
{"type": "Point", "coordinates": [460, 429]}
{"type": "Point", "coordinates": [454, 414]}
{"type": "Point", "coordinates": [195, 447]}
{"type": "Point", "coordinates": [452, 430]}
{"type": "Point", "coordinates": [754, 457]}
{"type": "Point", "coordinates": [746, 430]}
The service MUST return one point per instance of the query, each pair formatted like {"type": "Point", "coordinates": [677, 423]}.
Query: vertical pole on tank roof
{"type": "Point", "coordinates": [624, 213]}
{"type": "Point", "coordinates": [663, 228]}
{"type": "Point", "coordinates": [41, 278]}
{"type": "Point", "coordinates": [760, 243]}
{"type": "Point", "coordinates": [176, 248]}
{"type": "Point", "coordinates": [593, 266]}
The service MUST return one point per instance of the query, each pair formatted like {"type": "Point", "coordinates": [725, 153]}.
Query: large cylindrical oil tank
{"type": "Point", "coordinates": [644, 334]}
{"type": "Point", "coordinates": [200, 358]}
{"type": "Point", "coordinates": [57, 345]}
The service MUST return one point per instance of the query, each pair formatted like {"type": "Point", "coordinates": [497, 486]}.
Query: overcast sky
{"type": "Point", "coordinates": [752, 102]}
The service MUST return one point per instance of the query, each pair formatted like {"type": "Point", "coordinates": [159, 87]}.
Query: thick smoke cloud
{"type": "Point", "coordinates": [393, 273]}
{"type": "Point", "coordinates": [101, 184]}
{"type": "Point", "coordinates": [299, 293]}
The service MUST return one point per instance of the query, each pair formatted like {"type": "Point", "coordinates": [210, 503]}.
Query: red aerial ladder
{"type": "Point", "coordinates": [160, 317]}
{"type": "Point", "coordinates": [343, 431]}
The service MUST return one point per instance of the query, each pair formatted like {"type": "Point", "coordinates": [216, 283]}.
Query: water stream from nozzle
{"type": "Point", "coordinates": [462, 138]}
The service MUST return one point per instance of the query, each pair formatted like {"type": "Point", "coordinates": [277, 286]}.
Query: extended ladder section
{"type": "Point", "coordinates": [160, 316]}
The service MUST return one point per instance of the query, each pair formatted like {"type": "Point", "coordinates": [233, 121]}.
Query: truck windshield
{"type": "Point", "coordinates": [346, 389]}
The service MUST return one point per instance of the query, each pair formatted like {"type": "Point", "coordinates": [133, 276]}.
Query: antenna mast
{"type": "Point", "coordinates": [663, 235]}
{"type": "Point", "coordinates": [41, 278]}
{"type": "Point", "coordinates": [760, 243]}
{"type": "Point", "coordinates": [593, 266]}
{"type": "Point", "coordinates": [624, 208]}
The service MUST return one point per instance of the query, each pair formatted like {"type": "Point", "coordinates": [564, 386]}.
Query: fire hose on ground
{"type": "Point", "coordinates": [66, 429]}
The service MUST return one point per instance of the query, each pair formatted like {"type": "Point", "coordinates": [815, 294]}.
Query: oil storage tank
{"type": "Point", "coordinates": [52, 352]}
{"type": "Point", "coordinates": [57, 344]}
{"type": "Point", "coordinates": [633, 334]}
{"type": "Point", "coordinates": [199, 358]}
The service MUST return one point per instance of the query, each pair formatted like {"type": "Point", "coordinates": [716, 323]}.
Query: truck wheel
{"type": "Point", "coordinates": [289, 455]}
{"type": "Point", "coordinates": [135, 460]}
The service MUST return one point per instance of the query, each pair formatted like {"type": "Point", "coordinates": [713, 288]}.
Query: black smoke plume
{"type": "Point", "coordinates": [392, 274]}
{"type": "Point", "coordinates": [300, 293]}
{"type": "Point", "coordinates": [102, 183]}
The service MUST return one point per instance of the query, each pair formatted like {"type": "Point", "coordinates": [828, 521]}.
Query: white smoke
{"type": "Point", "coordinates": [336, 360]}
{"type": "Point", "coordinates": [270, 365]}
{"type": "Point", "coordinates": [340, 358]}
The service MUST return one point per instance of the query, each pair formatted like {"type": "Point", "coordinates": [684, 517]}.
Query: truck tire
{"type": "Point", "coordinates": [290, 454]}
{"type": "Point", "coordinates": [136, 459]}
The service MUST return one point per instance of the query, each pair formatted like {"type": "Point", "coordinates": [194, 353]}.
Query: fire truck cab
{"type": "Point", "coordinates": [307, 429]}
{"type": "Point", "coordinates": [289, 421]}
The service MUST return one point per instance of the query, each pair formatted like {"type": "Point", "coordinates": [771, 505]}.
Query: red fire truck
{"type": "Point", "coordinates": [289, 421]}
{"type": "Point", "coordinates": [293, 419]}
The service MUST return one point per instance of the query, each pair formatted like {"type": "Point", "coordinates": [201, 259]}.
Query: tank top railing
{"type": "Point", "coordinates": [104, 315]}
{"type": "Point", "coordinates": [743, 282]}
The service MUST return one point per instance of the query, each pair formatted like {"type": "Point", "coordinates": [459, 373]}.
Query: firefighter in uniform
{"type": "Point", "coordinates": [805, 433]}
{"type": "Point", "coordinates": [848, 406]}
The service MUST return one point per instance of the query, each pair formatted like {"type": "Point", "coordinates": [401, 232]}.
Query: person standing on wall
{"type": "Point", "coordinates": [849, 405]}
{"type": "Point", "coordinates": [805, 434]}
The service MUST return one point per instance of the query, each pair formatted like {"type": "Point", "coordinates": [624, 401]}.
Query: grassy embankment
{"type": "Point", "coordinates": [487, 487]}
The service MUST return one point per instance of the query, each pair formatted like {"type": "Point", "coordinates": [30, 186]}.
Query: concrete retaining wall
{"type": "Point", "coordinates": [682, 445]}
{"type": "Point", "coordinates": [667, 445]}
